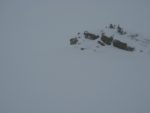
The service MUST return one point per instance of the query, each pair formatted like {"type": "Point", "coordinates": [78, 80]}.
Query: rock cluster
{"type": "Point", "coordinates": [104, 39]}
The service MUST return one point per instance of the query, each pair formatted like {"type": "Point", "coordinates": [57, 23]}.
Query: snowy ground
{"type": "Point", "coordinates": [41, 73]}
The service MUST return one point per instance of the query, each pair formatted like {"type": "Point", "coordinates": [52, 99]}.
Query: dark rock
{"type": "Point", "coordinates": [82, 49]}
{"type": "Point", "coordinates": [111, 26]}
{"type": "Point", "coordinates": [120, 30]}
{"type": "Point", "coordinates": [101, 43]}
{"type": "Point", "coordinates": [122, 45]}
{"type": "Point", "coordinates": [73, 41]}
{"type": "Point", "coordinates": [90, 36]}
{"type": "Point", "coordinates": [107, 40]}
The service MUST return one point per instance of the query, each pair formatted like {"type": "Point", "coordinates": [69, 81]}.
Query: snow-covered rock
{"type": "Point", "coordinates": [115, 34]}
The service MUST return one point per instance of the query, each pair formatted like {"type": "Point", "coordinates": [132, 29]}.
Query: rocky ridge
{"type": "Point", "coordinates": [112, 36]}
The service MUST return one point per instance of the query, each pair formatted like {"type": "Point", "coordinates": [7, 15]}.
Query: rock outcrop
{"type": "Point", "coordinates": [107, 40]}
{"type": "Point", "coordinates": [122, 45]}
{"type": "Point", "coordinates": [112, 36]}
{"type": "Point", "coordinates": [90, 36]}
{"type": "Point", "coordinates": [120, 30]}
{"type": "Point", "coordinates": [73, 41]}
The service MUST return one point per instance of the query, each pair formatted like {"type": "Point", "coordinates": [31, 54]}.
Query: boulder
{"type": "Point", "coordinates": [122, 45]}
{"type": "Point", "coordinates": [90, 36]}
{"type": "Point", "coordinates": [107, 40]}
{"type": "Point", "coordinates": [73, 41]}
{"type": "Point", "coordinates": [82, 49]}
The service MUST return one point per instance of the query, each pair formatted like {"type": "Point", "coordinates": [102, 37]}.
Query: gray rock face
{"type": "Point", "coordinates": [122, 45]}
{"type": "Point", "coordinates": [73, 41]}
{"type": "Point", "coordinates": [82, 49]}
{"type": "Point", "coordinates": [107, 40]}
{"type": "Point", "coordinates": [90, 36]}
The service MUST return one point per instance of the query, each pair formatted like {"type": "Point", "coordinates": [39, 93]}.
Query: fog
{"type": "Point", "coordinates": [40, 73]}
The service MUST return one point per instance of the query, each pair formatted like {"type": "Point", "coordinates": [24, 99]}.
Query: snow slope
{"type": "Point", "coordinates": [41, 73]}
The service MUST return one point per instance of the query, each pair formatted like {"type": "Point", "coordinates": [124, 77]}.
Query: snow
{"type": "Point", "coordinates": [41, 73]}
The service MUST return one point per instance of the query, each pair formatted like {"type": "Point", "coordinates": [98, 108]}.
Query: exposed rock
{"type": "Point", "coordinates": [120, 30]}
{"type": "Point", "coordinates": [78, 35]}
{"type": "Point", "coordinates": [101, 43]}
{"type": "Point", "coordinates": [122, 45]}
{"type": "Point", "coordinates": [111, 26]}
{"type": "Point", "coordinates": [82, 49]}
{"type": "Point", "coordinates": [119, 44]}
{"type": "Point", "coordinates": [90, 36]}
{"type": "Point", "coordinates": [73, 41]}
{"type": "Point", "coordinates": [107, 40]}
